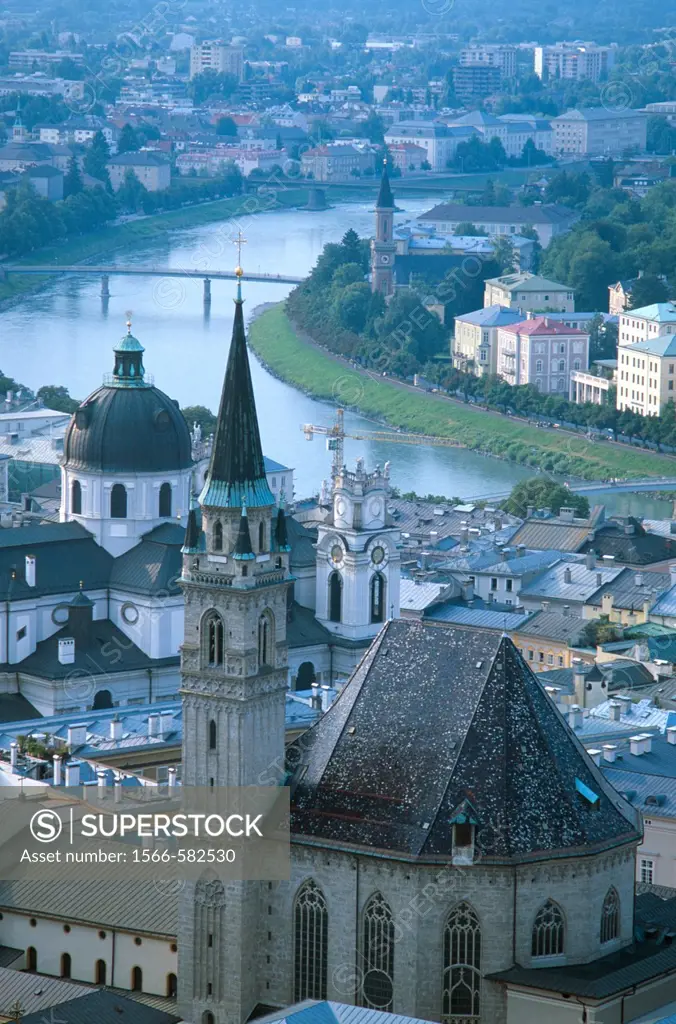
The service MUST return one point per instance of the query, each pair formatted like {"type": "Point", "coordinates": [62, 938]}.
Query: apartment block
{"type": "Point", "coordinates": [574, 60]}
{"type": "Point", "coordinates": [474, 346]}
{"type": "Point", "coordinates": [438, 140]}
{"type": "Point", "coordinates": [491, 55]}
{"type": "Point", "coordinates": [542, 352]}
{"type": "Point", "coordinates": [597, 131]}
{"type": "Point", "coordinates": [529, 293]}
{"type": "Point", "coordinates": [480, 80]}
{"type": "Point", "coordinates": [646, 357]}
{"type": "Point", "coordinates": [216, 56]}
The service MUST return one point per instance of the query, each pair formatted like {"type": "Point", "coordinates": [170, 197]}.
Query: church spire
{"type": "Point", "coordinates": [128, 371]}
{"type": "Point", "coordinates": [236, 472]}
{"type": "Point", "coordinates": [385, 197]}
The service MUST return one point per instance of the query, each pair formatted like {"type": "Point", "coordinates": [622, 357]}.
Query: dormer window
{"type": "Point", "coordinates": [464, 825]}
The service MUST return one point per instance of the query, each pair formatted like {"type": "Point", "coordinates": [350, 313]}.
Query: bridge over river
{"type": "Point", "coordinates": [601, 487]}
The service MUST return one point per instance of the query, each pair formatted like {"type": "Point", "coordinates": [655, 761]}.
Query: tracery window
{"type": "Point", "coordinates": [377, 965]}
{"type": "Point", "coordinates": [548, 930]}
{"type": "Point", "coordinates": [461, 994]}
{"type": "Point", "coordinates": [310, 943]}
{"type": "Point", "coordinates": [610, 916]}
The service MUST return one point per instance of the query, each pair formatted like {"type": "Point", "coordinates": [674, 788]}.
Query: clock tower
{"type": "Point", "coordinates": [358, 561]}
{"type": "Point", "coordinates": [383, 246]}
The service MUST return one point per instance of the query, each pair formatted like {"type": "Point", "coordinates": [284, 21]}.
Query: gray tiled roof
{"type": "Point", "coordinates": [36, 993]}
{"type": "Point", "coordinates": [583, 581]}
{"type": "Point", "coordinates": [104, 1007]}
{"type": "Point", "coordinates": [553, 626]}
{"type": "Point", "coordinates": [480, 617]}
{"type": "Point", "coordinates": [302, 540]}
{"type": "Point", "coordinates": [133, 906]}
{"type": "Point", "coordinates": [544, 535]}
{"type": "Point", "coordinates": [65, 553]}
{"type": "Point", "coordinates": [303, 629]}
{"type": "Point", "coordinates": [153, 565]}
{"type": "Point", "coordinates": [628, 594]}
{"type": "Point", "coordinates": [434, 713]}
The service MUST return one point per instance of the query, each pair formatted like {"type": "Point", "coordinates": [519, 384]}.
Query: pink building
{"type": "Point", "coordinates": [542, 351]}
{"type": "Point", "coordinates": [407, 156]}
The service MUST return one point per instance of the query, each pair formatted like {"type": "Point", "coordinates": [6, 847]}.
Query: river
{"type": "Point", "coordinates": [64, 335]}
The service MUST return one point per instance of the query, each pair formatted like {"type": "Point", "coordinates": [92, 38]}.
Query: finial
{"type": "Point", "coordinates": [81, 584]}
{"type": "Point", "coordinates": [128, 321]}
{"type": "Point", "coordinates": [239, 242]}
{"type": "Point", "coordinates": [244, 507]}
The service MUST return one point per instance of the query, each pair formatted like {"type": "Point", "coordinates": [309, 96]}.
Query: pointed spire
{"type": "Point", "coordinates": [236, 471]}
{"type": "Point", "coordinates": [385, 198]}
{"type": "Point", "coordinates": [281, 532]}
{"type": "Point", "coordinates": [243, 549]}
{"type": "Point", "coordinates": [192, 532]}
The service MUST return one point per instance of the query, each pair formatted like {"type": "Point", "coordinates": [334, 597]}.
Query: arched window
{"type": "Point", "coordinates": [100, 972]}
{"type": "Point", "coordinates": [306, 676]}
{"type": "Point", "coordinates": [562, 365]}
{"type": "Point", "coordinates": [165, 501]}
{"type": "Point", "coordinates": [377, 987]}
{"type": "Point", "coordinates": [261, 536]}
{"type": "Point", "coordinates": [548, 930]}
{"type": "Point", "coordinates": [310, 949]}
{"type": "Point", "coordinates": [208, 1017]}
{"type": "Point", "coordinates": [610, 916]}
{"type": "Point", "coordinates": [136, 979]}
{"type": "Point", "coordinates": [214, 639]}
{"type": "Point", "coordinates": [31, 959]}
{"type": "Point", "coordinates": [212, 735]}
{"type": "Point", "coordinates": [266, 632]}
{"type": "Point", "coordinates": [76, 498]}
{"type": "Point", "coordinates": [335, 597]}
{"type": "Point", "coordinates": [377, 597]}
{"type": "Point", "coordinates": [102, 699]}
{"type": "Point", "coordinates": [118, 502]}
{"type": "Point", "coordinates": [461, 992]}
{"type": "Point", "coordinates": [218, 536]}
{"type": "Point", "coordinates": [172, 986]}
{"type": "Point", "coordinates": [65, 965]}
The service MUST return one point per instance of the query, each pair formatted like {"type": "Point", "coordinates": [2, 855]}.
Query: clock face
{"type": "Point", "coordinates": [384, 258]}
{"type": "Point", "coordinates": [336, 554]}
{"type": "Point", "coordinates": [378, 555]}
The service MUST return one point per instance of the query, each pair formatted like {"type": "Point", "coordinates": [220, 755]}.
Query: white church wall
{"type": "Point", "coordinates": [305, 586]}
{"type": "Point", "coordinates": [155, 624]}
{"type": "Point", "coordinates": [318, 655]}
{"type": "Point", "coordinates": [87, 944]}
{"type": "Point", "coordinates": [77, 692]}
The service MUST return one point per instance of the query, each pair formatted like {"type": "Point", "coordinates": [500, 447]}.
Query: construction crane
{"type": "Point", "coordinates": [336, 434]}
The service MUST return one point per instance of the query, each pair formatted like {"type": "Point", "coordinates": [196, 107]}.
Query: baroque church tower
{"type": "Point", "coordinates": [383, 246]}
{"type": "Point", "coordinates": [235, 581]}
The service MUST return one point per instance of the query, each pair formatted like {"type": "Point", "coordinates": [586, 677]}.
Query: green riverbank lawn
{"type": "Point", "coordinates": [297, 362]}
{"type": "Point", "coordinates": [141, 231]}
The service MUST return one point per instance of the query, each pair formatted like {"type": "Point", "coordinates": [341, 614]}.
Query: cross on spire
{"type": "Point", "coordinates": [239, 242]}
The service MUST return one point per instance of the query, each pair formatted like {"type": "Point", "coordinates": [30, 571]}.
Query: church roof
{"type": "Point", "coordinates": [104, 1007]}
{"type": "Point", "coordinates": [434, 715]}
{"type": "Point", "coordinates": [153, 565]}
{"type": "Point", "coordinates": [385, 198]}
{"type": "Point", "coordinates": [65, 554]}
{"type": "Point", "coordinates": [236, 470]}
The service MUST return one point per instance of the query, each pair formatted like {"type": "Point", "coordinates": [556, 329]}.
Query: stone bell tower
{"type": "Point", "coordinates": [235, 580]}
{"type": "Point", "coordinates": [383, 246]}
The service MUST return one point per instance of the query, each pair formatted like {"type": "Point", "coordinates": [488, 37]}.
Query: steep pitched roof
{"type": "Point", "coordinates": [236, 470]}
{"type": "Point", "coordinates": [434, 715]}
{"type": "Point", "coordinates": [385, 198]}
{"type": "Point", "coordinates": [104, 1007]}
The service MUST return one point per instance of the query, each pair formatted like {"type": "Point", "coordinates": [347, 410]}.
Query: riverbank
{"type": "Point", "coordinates": [288, 356]}
{"type": "Point", "coordinates": [137, 233]}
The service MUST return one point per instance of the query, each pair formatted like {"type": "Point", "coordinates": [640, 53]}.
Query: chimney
{"type": "Point", "coordinates": [575, 717]}
{"type": "Point", "coordinates": [77, 734]}
{"type": "Point", "coordinates": [566, 609]}
{"type": "Point", "coordinates": [101, 784]}
{"type": "Point", "coordinates": [545, 606]}
{"type": "Point", "coordinates": [567, 575]}
{"type": "Point", "coordinates": [636, 745]}
{"type": "Point", "coordinates": [629, 529]}
{"type": "Point", "coordinates": [434, 537]}
{"type": "Point", "coordinates": [638, 579]}
{"type": "Point", "coordinates": [609, 560]}
{"type": "Point", "coordinates": [578, 677]}
{"type": "Point", "coordinates": [671, 735]}
{"type": "Point", "coordinates": [171, 778]}
{"type": "Point", "coordinates": [625, 704]}
{"type": "Point", "coordinates": [647, 605]}
{"type": "Point", "coordinates": [672, 526]}
{"type": "Point", "coordinates": [116, 729]}
{"type": "Point", "coordinates": [153, 724]}
{"type": "Point", "coordinates": [672, 574]}
{"type": "Point", "coordinates": [567, 515]}
{"type": "Point", "coordinates": [529, 315]}
{"type": "Point", "coordinates": [590, 559]}
{"type": "Point", "coordinates": [599, 579]}
{"type": "Point", "coordinates": [316, 700]}
{"type": "Point", "coordinates": [647, 743]}
{"type": "Point", "coordinates": [521, 550]}
{"type": "Point", "coordinates": [530, 511]}
{"type": "Point", "coordinates": [72, 774]}
{"type": "Point", "coordinates": [609, 752]}
{"type": "Point", "coordinates": [56, 778]}
{"type": "Point", "coordinates": [464, 532]}
{"type": "Point", "coordinates": [13, 754]}
{"type": "Point", "coordinates": [166, 719]}
{"type": "Point", "coordinates": [504, 554]}
{"type": "Point", "coordinates": [326, 697]}
{"type": "Point", "coordinates": [497, 522]}
{"type": "Point", "coordinates": [117, 789]}
{"type": "Point", "coordinates": [607, 604]}
{"type": "Point", "coordinates": [468, 591]}
{"type": "Point", "coordinates": [595, 756]}
{"type": "Point", "coordinates": [66, 653]}
{"type": "Point", "coordinates": [30, 570]}
{"type": "Point", "coordinates": [614, 710]}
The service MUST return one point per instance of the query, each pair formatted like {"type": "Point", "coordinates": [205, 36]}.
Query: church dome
{"type": "Point", "coordinates": [128, 425]}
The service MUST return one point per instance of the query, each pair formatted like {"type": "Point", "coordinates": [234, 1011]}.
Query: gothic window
{"type": "Point", "coordinates": [218, 536]}
{"type": "Point", "coordinates": [377, 597]}
{"type": "Point", "coordinates": [548, 930]}
{"type": "Point", "coordinates": [213, 628]}
{"type": "Point", "coordinates": [261, 536]}
{"type": "Point", "coordinates": [76, 498]}
{"type": "Point", "coordinates": [377, 986]}
{"type": "Point", "coordinates": [310, 949]}
{"type": "Point", "coordinates": [118, 502]}
{"type": "Point", "coordinates": [100, 972]}
{"type": "Point", "coordinates": [335, 597]}
{"type": "Point", "coordinates": [610, 916]}
{"type": "Point", "coordinates": [462, 966]}
{"type": "Point", "coordinates": [165, 501]}
{"type": "Point", "coordinates": [212, 735]}
{"type": "Point", "coordinates": [266, 631]}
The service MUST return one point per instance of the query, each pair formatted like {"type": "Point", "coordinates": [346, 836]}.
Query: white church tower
{"type": "Point", "coordinates": [235, 580]}
{"type": "Point", "coordinates": [358, 560]}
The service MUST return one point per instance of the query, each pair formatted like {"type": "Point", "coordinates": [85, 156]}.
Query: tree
{"type": "Point", "coordinates": [131, 192]}
{"type": "Point", "coordinates": [227, 126]}
{"type": "Point", "coordinates": [352, 305]}
{"type": "Point", "coordinates": [599, 631]}
{"type": "Point", "coordinates": [647, 289]}
{"type": "Point", "coordinates": [505, 254]}
{"type": "Point", "coordinates": [201, 415]}
{"type": "Point", "coordinates": [96, 157]}
{"type": "Point", "coordinates": [373, 128]}
{"type": "Point", "coordinates": [211, 84]}
{"type": "Point", "coordinates": [55, 396]}
{"type": "Point", "coordinates": [540, 492]}
{"type": "Point", "coordinates": [465, 227]}
{"type": "Point", "coordinates": [128, 141]}
{"type": "Point", "coordinates": [72, 182]}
